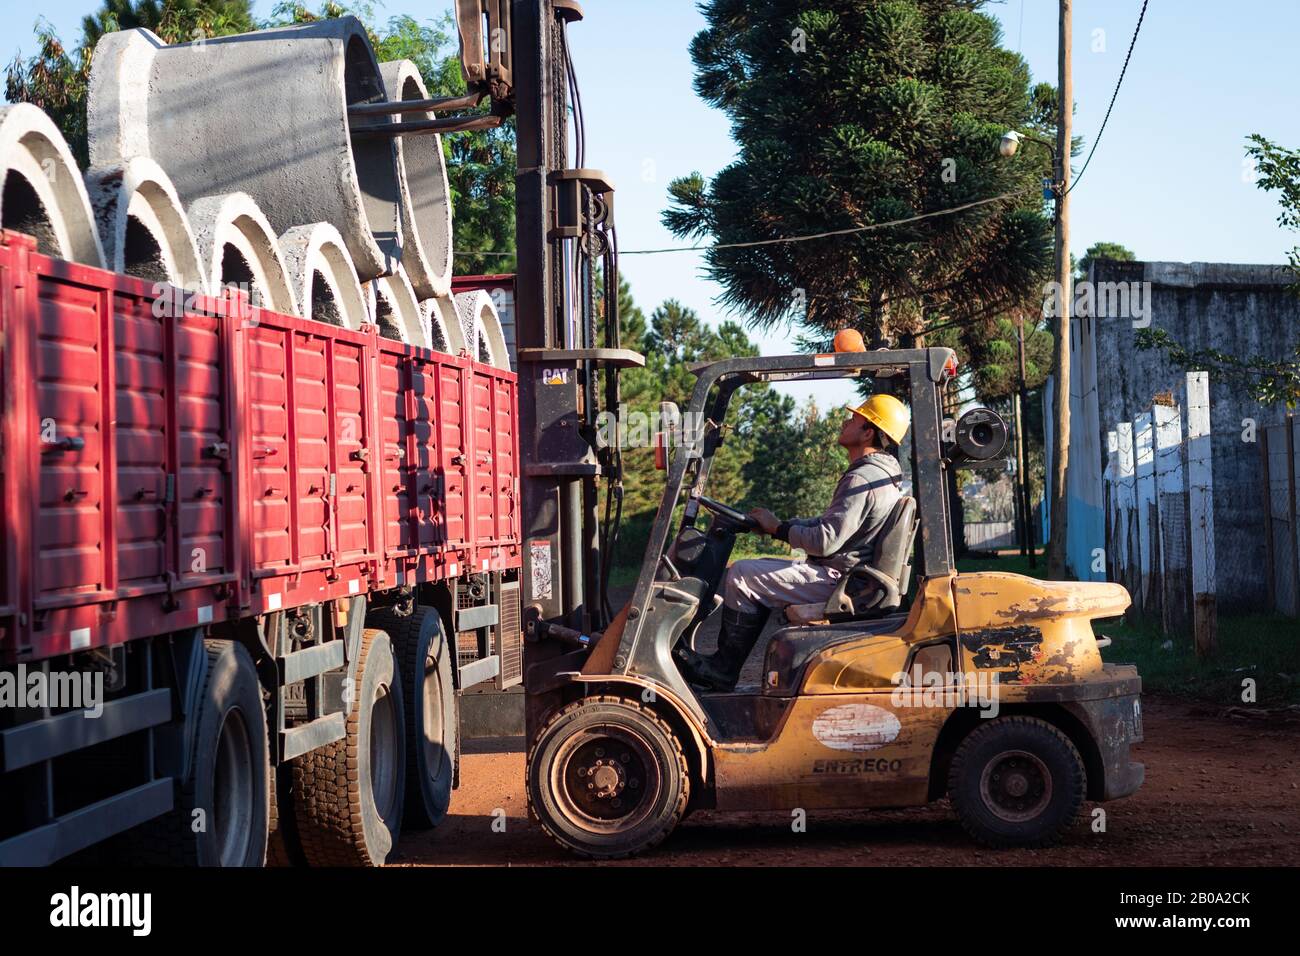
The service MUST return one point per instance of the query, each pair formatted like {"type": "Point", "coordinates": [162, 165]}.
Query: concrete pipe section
{"type": "Point", "coordinates": [143, 226]}
{"type": "Point", "coordinates": [262, 113]}
{"type": "Point", "coordinates": [426, 195]}
{"type": "Point", "coordinates": [237, 247]}
{"type": "Point", "coordinates": [442, 323]}
{"type": "Point", "coordinates": [41, 190]}
{"type": "Point", "coordinates": [323, 277]}
{"type": "Point", "coordinates": [396, 310]}
{"type": "Point", "coordinates": [482, 328]}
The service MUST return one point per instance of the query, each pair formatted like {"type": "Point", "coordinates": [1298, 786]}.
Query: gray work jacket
{"type": "Point", "coordinates": [846, 533]}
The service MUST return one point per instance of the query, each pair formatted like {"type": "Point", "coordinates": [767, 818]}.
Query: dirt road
{"type": "Point", "coordinates": [1218, 791]}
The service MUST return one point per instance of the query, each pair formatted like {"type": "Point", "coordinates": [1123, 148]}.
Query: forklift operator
{"type": "Point", "coordinates": [835, 542]}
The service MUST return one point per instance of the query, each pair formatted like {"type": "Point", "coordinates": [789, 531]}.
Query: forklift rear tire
{"type": "Point", "coordinates": [424, 659]}
{"type": "Point", "coordinates": [348, 795]}
{"type": "Point", "coordinates": [607, 778]}
{"type": "Point", "coordinates": [1017, 782]}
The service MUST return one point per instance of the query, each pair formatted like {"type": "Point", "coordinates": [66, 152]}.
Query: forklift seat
{"type": "Point", "coordinates": [875, 589]}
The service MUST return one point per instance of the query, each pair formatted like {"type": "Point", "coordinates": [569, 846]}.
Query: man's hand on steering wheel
{"type": "Point", "coordinates": [766, 521]}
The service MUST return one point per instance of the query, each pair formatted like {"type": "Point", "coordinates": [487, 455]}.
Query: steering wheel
{"type": "Point", "coordinates": [728, 512]}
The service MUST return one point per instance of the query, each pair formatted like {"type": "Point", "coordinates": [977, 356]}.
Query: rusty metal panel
{"type": "Point", "coordinates": [73, 543]}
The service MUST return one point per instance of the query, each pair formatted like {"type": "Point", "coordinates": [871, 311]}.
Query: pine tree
{"type": "Point", "coordinates": [848, 113]}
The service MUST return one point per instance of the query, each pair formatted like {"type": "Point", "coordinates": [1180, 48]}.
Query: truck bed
{"type": "Point", "coordinates": [169, 467]}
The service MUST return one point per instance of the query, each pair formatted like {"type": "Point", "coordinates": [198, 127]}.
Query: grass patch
{"type": "Point", "coordinates": [1263, 647]}
{"type": "Point", "coordinates": [1008, 563]}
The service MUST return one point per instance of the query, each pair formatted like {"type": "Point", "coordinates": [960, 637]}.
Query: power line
{"type": "Point", "coordinates": [1118, 84]}
{"type": "Point", "coordinates": [808, 238]}
{"type": "Point", "coordinates": [835, 232]}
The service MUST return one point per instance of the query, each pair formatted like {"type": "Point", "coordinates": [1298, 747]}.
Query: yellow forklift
{"type": "Point", "coordinates": [988, 688]}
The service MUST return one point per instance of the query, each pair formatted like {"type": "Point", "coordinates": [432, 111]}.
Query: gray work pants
{"type": "Point", "coordinates": [776, 583]}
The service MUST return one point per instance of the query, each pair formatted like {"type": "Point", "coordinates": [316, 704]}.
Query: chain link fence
{"type": "Point", "coordinates": [1159, 509]}
{"type": "Point", "coordinates": [1278, 449]}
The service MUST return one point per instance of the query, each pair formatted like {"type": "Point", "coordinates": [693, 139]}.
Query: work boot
{"type": "Point", "coordinates": [721, 669]}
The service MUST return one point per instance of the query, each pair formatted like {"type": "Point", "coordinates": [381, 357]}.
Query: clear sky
{"type": "Point", "coordinates": [1169, 179]}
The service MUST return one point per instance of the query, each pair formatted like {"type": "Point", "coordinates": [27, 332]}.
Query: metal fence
{"type": "Point", "coordinates": [1159, 507]}
{"type": "Point", "coordinates": [990, 535]}
{"type": "Point", "coordinates": [1277, 445]}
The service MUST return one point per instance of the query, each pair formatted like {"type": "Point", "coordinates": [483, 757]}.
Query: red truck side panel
{"type": "Point", "coordinates": [73, 507]}
{"type": "Point", "coordinates": [267, 405]}
{"type": "Point", "coordinates": [202, 460]}
{"type": "Point", "coordinates": [454, 452]}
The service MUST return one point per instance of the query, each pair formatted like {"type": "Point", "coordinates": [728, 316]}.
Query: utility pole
{"type": "Point", "coordinates": [1061, 352]}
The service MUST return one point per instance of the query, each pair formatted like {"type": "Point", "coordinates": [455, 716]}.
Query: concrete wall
{"type": "Point", "coordinates": [1243, 310]}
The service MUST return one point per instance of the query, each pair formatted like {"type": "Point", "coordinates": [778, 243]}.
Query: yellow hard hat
{"type": "Point", "coordinates": [887, 413]}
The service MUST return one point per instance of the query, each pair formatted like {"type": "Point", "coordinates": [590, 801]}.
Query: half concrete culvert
{"type": "Point", "coordinates": [482, 328]}
{"type": "Point", "coordinates": [238, 248]}
{"type": "Point", "coordinates": [41, 190]}
{"type": "Point", "coordinates": [426, 195]}
{"type": "Point", "coordinates": [323, 278]}
{"type": "Point", "coordinates": [443, 325]}
{"type": "Point", "coordinates": [143, 226]}
{"type": "Point", "coordinates": [261, 113]}
{"type": "Point", "coordinates": [396, 311]}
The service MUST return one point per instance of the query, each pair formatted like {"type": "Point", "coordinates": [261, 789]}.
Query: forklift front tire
{"type": "Point", "coordinates": [1017, 782]}
{"type": "Point", "coordinates": [607, 778]}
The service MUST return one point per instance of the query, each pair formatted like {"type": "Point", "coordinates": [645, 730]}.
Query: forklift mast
{"type": "Point", "coordinates": [567, 328]}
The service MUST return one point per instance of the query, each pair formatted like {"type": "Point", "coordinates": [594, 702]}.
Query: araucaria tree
{"type": "Point", "coordinates": [852, 113]}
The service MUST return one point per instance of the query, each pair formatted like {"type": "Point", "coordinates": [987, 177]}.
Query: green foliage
{"type": "Point", "coordinates": [57, 82]}
{"type": "Point", "coordinates": [853, 112]}
{"type": "Point", "coordinates": [1102, 250]}
{"type": "Point", "coordinates": [1266, 380]}
{"type": "Point", "coordinates": [175, 21]}
{"type": "Point", "coordinates": [774, 454]}
{"type": "Point", "coordinates": [1279, 171]}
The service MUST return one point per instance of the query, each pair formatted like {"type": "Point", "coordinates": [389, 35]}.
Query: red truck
{"type": "Point", "coordinates": [267, 552]}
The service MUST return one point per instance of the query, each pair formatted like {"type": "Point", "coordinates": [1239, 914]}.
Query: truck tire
{"type": "Point", "coordinates": [348, 795]}
{"type": "Point", "coordinates": [1017, 782]}
{"type": "Point", "coordinates": [221, 812]}
{"type": "Point", "coordinates": [424, 658]}
{"type": "Point", "coordinates": [607, 778]}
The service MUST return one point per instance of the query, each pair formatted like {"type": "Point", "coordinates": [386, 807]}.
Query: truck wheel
{"type": "Point", "coordinates": [348, 795]}
{"type": "Point", "coordinates": [1017, 781]}
{"type": "Point", "coordinates": [607, 778]}
{"type": "Point", "coordinates": [221, 813]}
{"type": "Point", "coordinates": [424, 659]}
